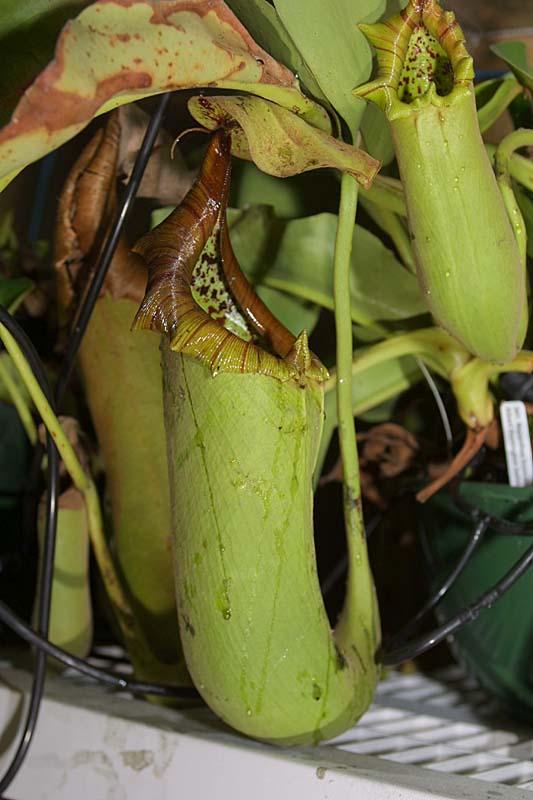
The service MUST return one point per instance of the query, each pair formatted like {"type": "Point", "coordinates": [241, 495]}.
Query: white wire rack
{"type": "Point", "coordinates": [424, 737]}
{"type": "Point", "coordinates": [443, 723]}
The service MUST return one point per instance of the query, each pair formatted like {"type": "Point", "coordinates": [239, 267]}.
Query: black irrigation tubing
{"type": "Point", "coordinates": [425, 642]}
{"type": "Point", "coordinates": [399, 639]}
{"type": "Point", "coordinates": [77, 333]}
{"type": "Point", "coordinates": [81, 665]}
{"type": "Point", "coordinates": [47, 569]}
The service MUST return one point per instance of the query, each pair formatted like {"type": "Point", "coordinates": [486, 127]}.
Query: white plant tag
{"type": "Point", "coordinates": [517, 441]}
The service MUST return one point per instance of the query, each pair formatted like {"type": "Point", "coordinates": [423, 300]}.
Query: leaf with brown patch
{"type": "Point", "coordinates": [117, 52]}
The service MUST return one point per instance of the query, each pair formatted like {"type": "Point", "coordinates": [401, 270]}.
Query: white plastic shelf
{"type": "Point", "coordinates": [423, 738]}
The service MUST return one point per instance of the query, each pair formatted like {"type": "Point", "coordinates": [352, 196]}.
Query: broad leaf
{"type": "Point", "coordinates": [262, 21]}
{"type": "Point", "coordinates": [515, 55]}
{"type": "Point", "coordinates": [114, 53]}
{"type": "Point", "coordinates": [278, 141]}
{"type": "Point", "coordinates": [28, 33]}
{"type": "Point", "coordinates": [380, 288]}
{"type": "Point", "coordinates": [296, 314]}
{"type": "Point", "coordinates": [376, 134]}
{"type": "Point", "coordinates": [255, 237]}
{"type": "Point", "coordinates": [299, 196]}
{"type": "Point", "coordinates": [337, 53]}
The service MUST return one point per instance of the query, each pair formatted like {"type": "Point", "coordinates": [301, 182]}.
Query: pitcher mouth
{"type": "Point", "coordinates": [422, 60]}
{"type": "Point", "coordinates": [198, 296]}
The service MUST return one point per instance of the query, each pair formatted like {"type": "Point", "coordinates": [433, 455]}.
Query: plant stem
{"type": "Point", "coordinates": [520, 168]}
{"type": "Point", "coordinates": [501, 99]}
{"type": "Point", "coordinates": [82, 481]}
{"type": "Point", "coordinates": [435, 347]}
{"type": "Point", "coordinates": [358, 624]}
{"type": "Point", "coordinates": [343, 326]}
{"type": "Point", "coordinates": [19, 402]}
{"type": "Point", "coordinates": [504, 153]}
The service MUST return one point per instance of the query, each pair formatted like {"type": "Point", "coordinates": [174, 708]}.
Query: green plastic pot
{"type": "Point", "coordinates": [497, 648]}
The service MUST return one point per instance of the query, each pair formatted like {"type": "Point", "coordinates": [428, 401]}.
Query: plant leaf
{"type": "Point", "coordinates": [295, 314]}
{"type": "Point", "coordinates": [377, 135]}
{"type": "Point", "coordinates": [380, 288]}
{"type": "Point", "coordinates": [28, 33]}
{"type": "Point", "coordinates": [515, 55]}
{"type": "Point", "coordinates": [114, 53]}
{"type": "Point", "coordinates": [279, 142]}
{"type": "Point", "coordinates": [327, 36]}
{"type": "Point", "coordinates": [263, 23]}
{"type": "Point", "coordinates": [13, 291]}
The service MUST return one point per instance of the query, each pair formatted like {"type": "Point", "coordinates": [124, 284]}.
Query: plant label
{"type": "Point", "coordinates": [517, 441]}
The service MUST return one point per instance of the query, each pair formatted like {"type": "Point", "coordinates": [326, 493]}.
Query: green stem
{"type": "Point", "coordinates": [435, 347]}
{"type": "Point", "coordinates": [392, 225]}
{"type": "Point", "coordinates": [343, 327]}
{"type": "Point", "coordinates": [358, 625]}
{"type": "Point", "coordinates": [504, 153]}
{"type": "Point", "coordinates": [82, 481]}
{"type": "Point", "coordinates": [501, 99]}
{"type": "Point", "coordinates": [19, 402]}
{"type": "Point", "coordinates": [520, 168]}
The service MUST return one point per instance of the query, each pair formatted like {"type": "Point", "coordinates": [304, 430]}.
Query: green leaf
{"type": "Point", "coordinates": [255, 235]}
{"type": "Point", "coordinates": [338, 54]}
{"type": "Point", "coordinates": [278, 141]}
{"type": "Point", "coordinates": [293, 197]}
{"type": "Point", "coordinates": [377, 135]}
{"type": "Point", "coordinates": [381, 289]}
{"type": "Point", "coordinates": [114, 53]}
{"type": "Point", "coordinates": [296, 314]}
{"type": "Point", "coordinates": [28, 33]}
{"type": "Point", "coordinates": [515, 55]}
{"type": "Point", "coordinates": [13, 291]}
{"type": "Point", "coordinates": [264, 24]}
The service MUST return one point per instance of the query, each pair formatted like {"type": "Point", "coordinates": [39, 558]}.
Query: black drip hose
{"type": "Point", "coordinates": [463, 560]}
{"type": "Point", "coordinates": [425, 642]}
